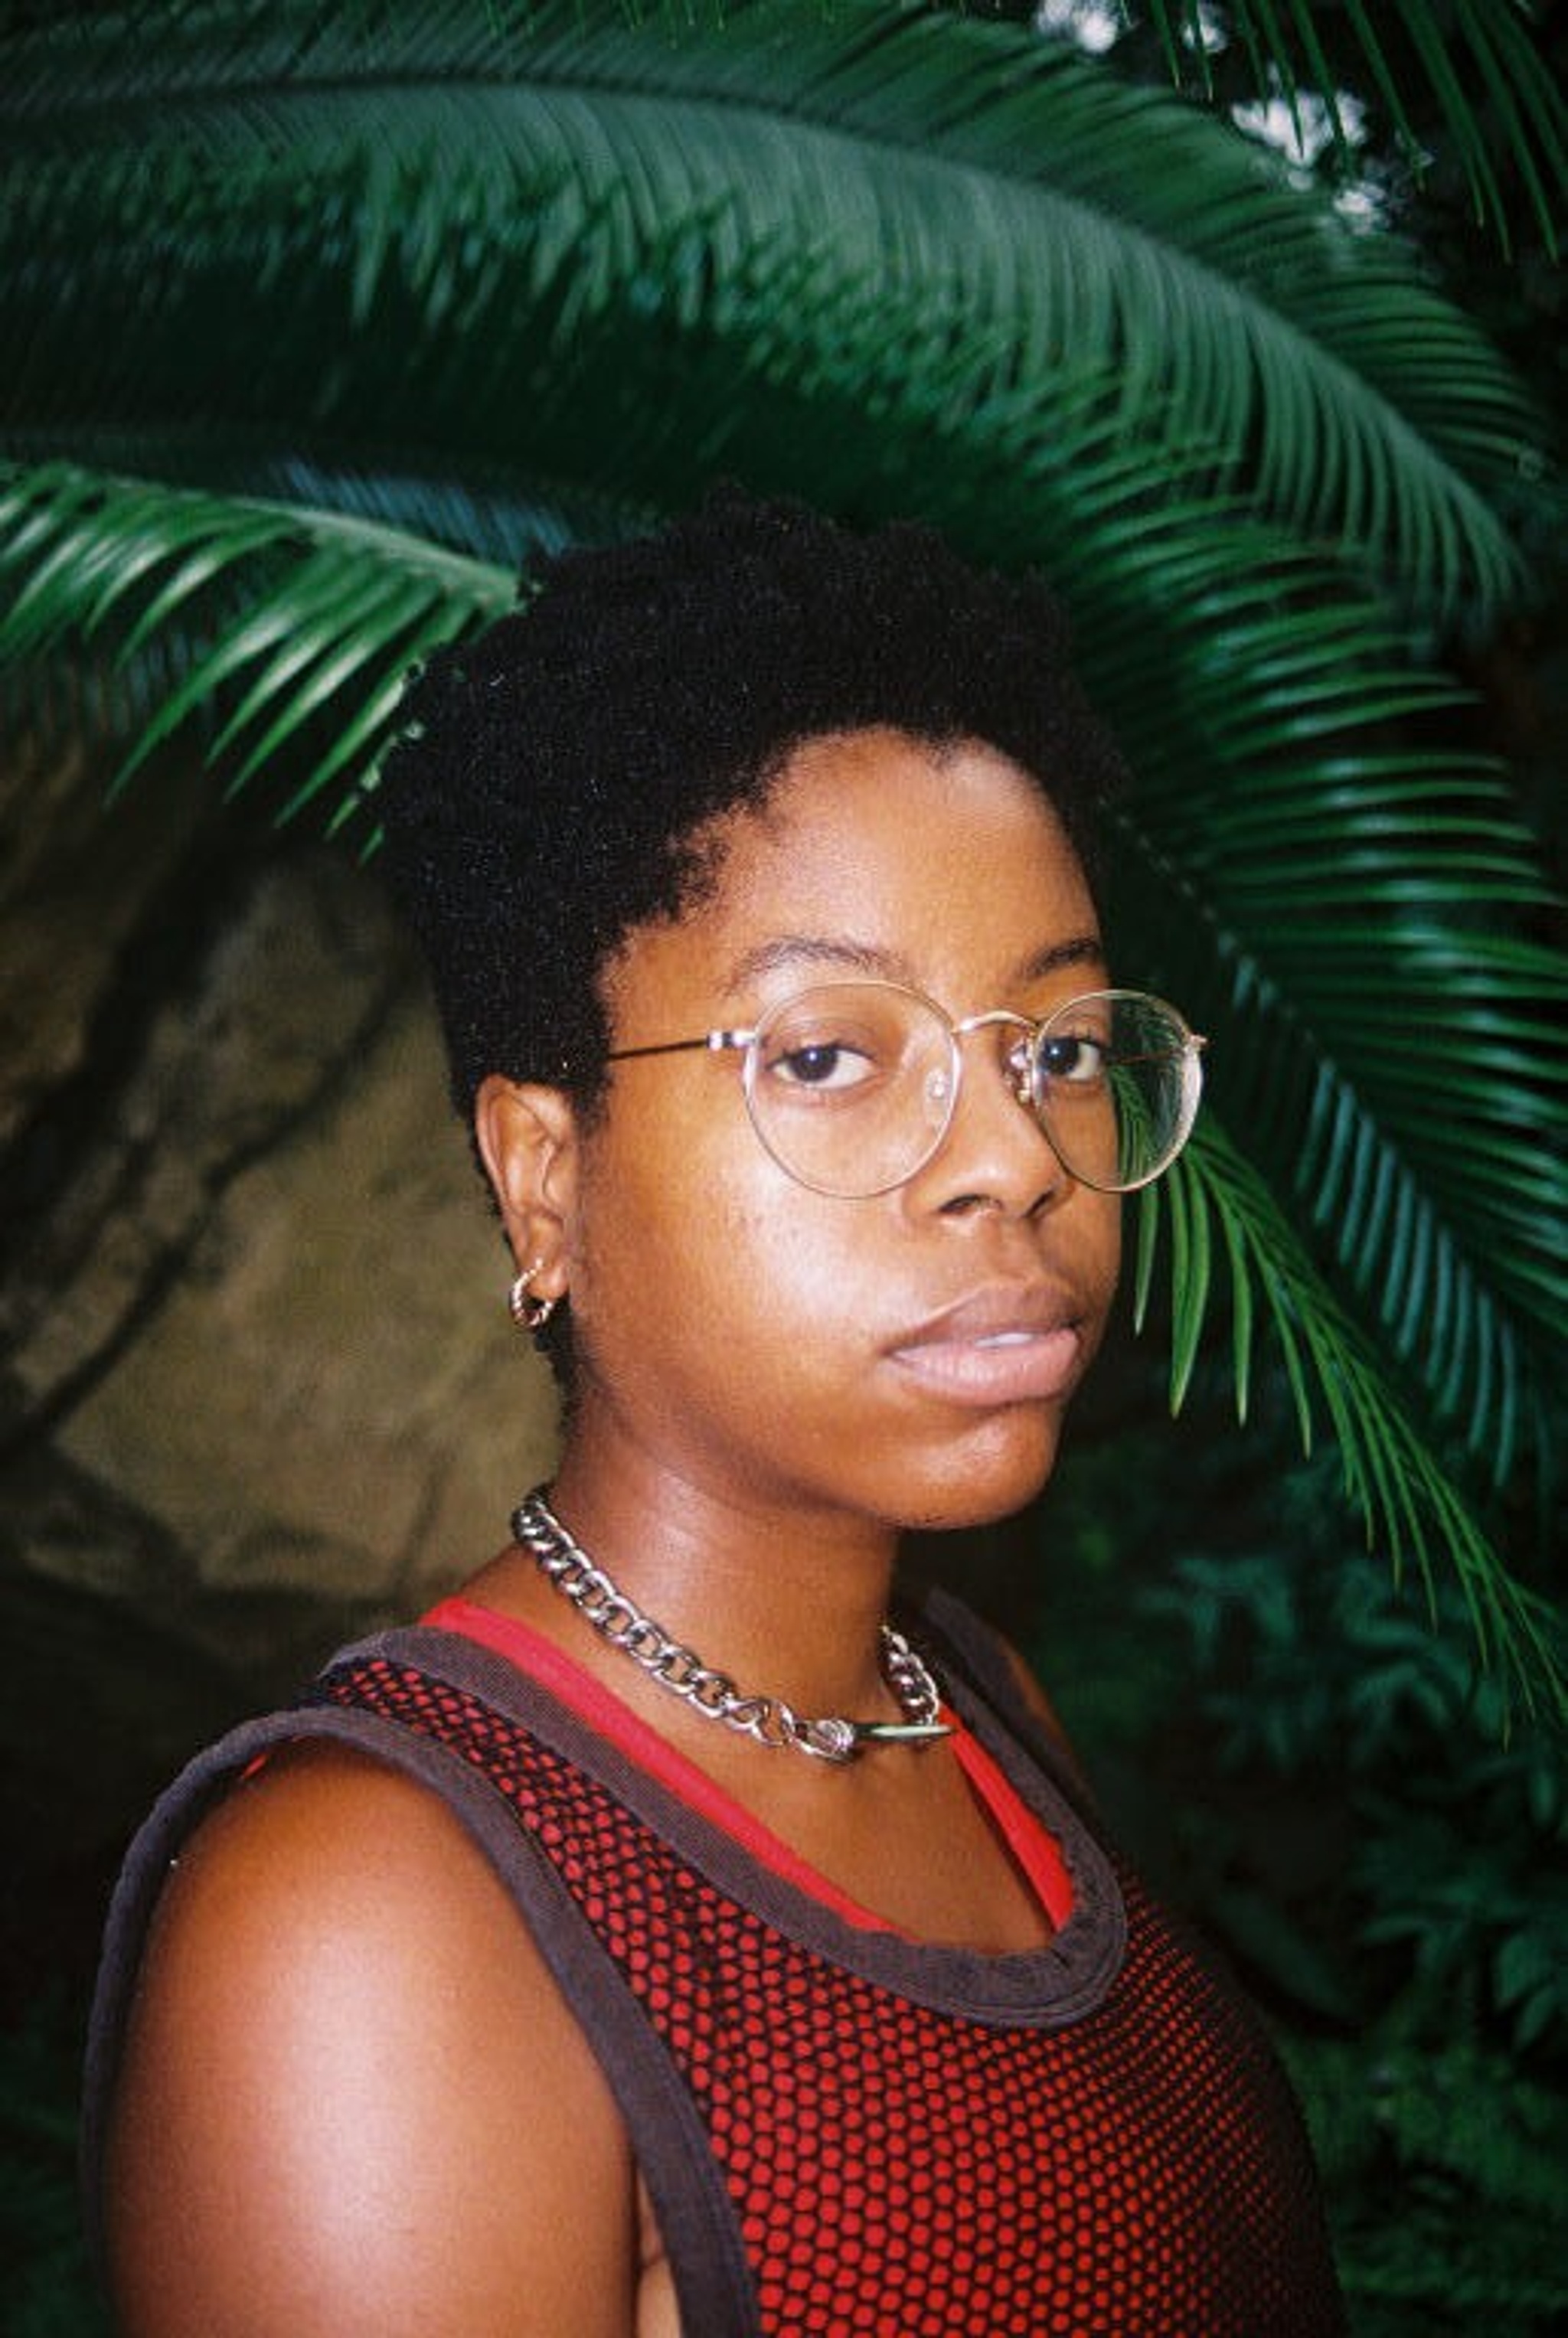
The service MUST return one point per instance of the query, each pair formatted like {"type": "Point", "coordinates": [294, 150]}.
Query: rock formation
{"type": "Point", "coordinates": [258, 1388]}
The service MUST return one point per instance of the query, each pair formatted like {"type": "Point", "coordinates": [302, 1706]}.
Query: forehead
{"type": "Point", "coordinates": [945, 867]}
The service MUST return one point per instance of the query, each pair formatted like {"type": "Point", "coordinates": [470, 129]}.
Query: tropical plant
{"type": "Point", "coordinates": [1317, 1779]}
{"type": "Point", "coordinates": [49, 2290]}
{"type": "Point", "coordinates": [322, 317]}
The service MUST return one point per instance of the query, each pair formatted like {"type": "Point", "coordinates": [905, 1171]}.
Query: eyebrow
{"type": "Point", "coordinates": [888, 965]}
{"type": "Point", "coordinates": [1083, 949]}
{"type": "Point", "coordinates": [818, 949]}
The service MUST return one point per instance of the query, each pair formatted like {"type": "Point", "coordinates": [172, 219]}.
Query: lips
{"type": "Point", "coordinates": [1008, 1344]}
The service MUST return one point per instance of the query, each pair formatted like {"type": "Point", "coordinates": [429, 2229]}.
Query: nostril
{"type": "Point", "coordinates": [968, 1206]}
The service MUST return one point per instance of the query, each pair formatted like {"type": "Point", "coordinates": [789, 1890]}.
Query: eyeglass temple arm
{"type": "Point", "coordinates": [712, 1040]}
{"type": "Point", "coordinates": [1193, 1045]}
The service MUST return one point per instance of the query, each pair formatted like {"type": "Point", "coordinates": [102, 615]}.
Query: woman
{"type": "Point", "coordinates": [659, 1938]}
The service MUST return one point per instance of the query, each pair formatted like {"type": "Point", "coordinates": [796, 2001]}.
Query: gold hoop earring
{"type": "Point", "coordinates": [529, 1314]}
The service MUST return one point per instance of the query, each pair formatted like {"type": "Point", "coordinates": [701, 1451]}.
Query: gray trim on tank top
{"type": "Point", "coordinates": [1046, 1988]}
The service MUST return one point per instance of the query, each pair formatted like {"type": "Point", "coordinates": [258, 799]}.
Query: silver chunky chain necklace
{"type": "Point", "coordinates": [768, 1719]}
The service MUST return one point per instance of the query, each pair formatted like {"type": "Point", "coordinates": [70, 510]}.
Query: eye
{"type": "Point", "coordinates": [844, 1043]}
{"type": "Point", "coordinates": [1073, 1058]}
{"type": "Point", "coordinates": [821, 1063]}
{"type": "Point", "coordinates": [833, 1042]}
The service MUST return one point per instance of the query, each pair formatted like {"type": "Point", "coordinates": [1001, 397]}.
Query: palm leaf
{"type": "Point", "coordinates": [1477, 61]}
{"type": "Point", "coordinates": [1339, 903]}
{"type": "Point", "coordinates": [1212, 1212]}
{"type": "Point", "coordinates": [513, 181]}
{"type": "Point", "coordinates": [334, 610]}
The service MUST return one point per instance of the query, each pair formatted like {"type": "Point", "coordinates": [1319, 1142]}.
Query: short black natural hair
{"type": "Point", "coordinates": [559, 769]}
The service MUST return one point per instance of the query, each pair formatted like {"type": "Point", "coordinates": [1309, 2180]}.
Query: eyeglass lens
{"type": "Point", "coordinates": [852, 1085]}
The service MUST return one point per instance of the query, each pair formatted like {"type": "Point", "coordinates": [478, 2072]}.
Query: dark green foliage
{"type": "Point", "coordinates": [47, 2290]}
{"type": "Point", "coordinates": [1444, 2166]}
{"type": "Point", "coordinates": [1470, 72]}
{"type": "Point", "coordinates": [1316, 1773]}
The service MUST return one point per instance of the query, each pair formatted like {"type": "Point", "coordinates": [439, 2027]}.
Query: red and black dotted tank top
{"type": "Point", "coordinates": [844, 2131]}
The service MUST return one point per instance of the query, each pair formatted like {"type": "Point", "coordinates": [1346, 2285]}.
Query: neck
{"type": "Point", "coordinates": [585, 1584]}
{"type": "Point", "coordinates": [788, 1604]}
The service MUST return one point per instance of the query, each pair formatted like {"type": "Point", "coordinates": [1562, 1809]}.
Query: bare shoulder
{"type": "Point", "coordinates": [352, 2099]}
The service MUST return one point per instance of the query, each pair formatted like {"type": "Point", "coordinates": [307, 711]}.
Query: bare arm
{"type": "Point", "coordinates": [353, 2101]}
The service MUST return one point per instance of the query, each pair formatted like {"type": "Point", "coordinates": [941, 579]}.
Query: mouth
{"type": "Point", "coordinates": [999, 1347]}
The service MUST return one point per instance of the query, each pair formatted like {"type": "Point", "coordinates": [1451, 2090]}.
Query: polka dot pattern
{"type": "Point", "coordinates": [899, 2171]}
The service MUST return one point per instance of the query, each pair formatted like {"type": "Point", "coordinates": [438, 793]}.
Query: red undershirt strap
{"type": "Point", "coordinates": [1033, 1848]}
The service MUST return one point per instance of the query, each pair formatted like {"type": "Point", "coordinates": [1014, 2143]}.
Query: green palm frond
{"type": "Point", "coordinates": [1475, 64]}
{"type": "Point", "coordinates": [1222, 1226]}
{"type": "Point", "coordinates": [1339, 889]}
{"type": "Point", "coordinates": [323, 318]}
{"type": "Point", "coordinates": [503, 516]}
{"type": "Point", "coordinates": [396, 185]}
{"type": "Point", "coordinates": [1335, 888]}
{"type": "Point", "coordinates": [287, 627]}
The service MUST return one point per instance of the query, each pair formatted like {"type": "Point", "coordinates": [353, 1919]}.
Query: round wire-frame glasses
{"type": "Point", "coordinates": [851, 1086]}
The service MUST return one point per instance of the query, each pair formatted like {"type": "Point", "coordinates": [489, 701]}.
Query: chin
{"type": "Point", "coordinates": [983, 1483]}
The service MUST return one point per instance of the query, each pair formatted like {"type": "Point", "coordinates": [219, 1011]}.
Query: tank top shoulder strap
{"type": "Point", "coordinates": [972, 1656]}
{"type": "Point", "coordinates": [671, 2145]}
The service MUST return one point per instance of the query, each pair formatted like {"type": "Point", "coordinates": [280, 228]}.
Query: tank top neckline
{"type": "Point", "coordinates": [1036, 1851]}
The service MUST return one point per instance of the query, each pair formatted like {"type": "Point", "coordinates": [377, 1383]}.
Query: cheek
{"type": "Point", "coordinates": [778, 1272]}
{"type": "Point", "coordinates": [699, 1253]}
{"type": "Point", "coordinates": [668, 1228]}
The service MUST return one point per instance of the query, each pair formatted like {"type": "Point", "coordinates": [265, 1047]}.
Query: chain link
{"type": "Point", "coordinates": [767, 1720]}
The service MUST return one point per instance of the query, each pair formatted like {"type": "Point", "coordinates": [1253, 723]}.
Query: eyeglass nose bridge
{"type": "Point", "coordinates": [1020, 1057]}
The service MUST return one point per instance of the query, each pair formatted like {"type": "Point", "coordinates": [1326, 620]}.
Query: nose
{"type": "Point", "coordinates": [995, 1152]}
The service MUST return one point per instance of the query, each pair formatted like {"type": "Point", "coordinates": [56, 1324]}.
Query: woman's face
{"type": "Point", "coordinates": [906, 1358]}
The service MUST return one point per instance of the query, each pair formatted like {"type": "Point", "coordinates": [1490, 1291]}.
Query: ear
{"type": "Point", "coordinates": [528, 1140]}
